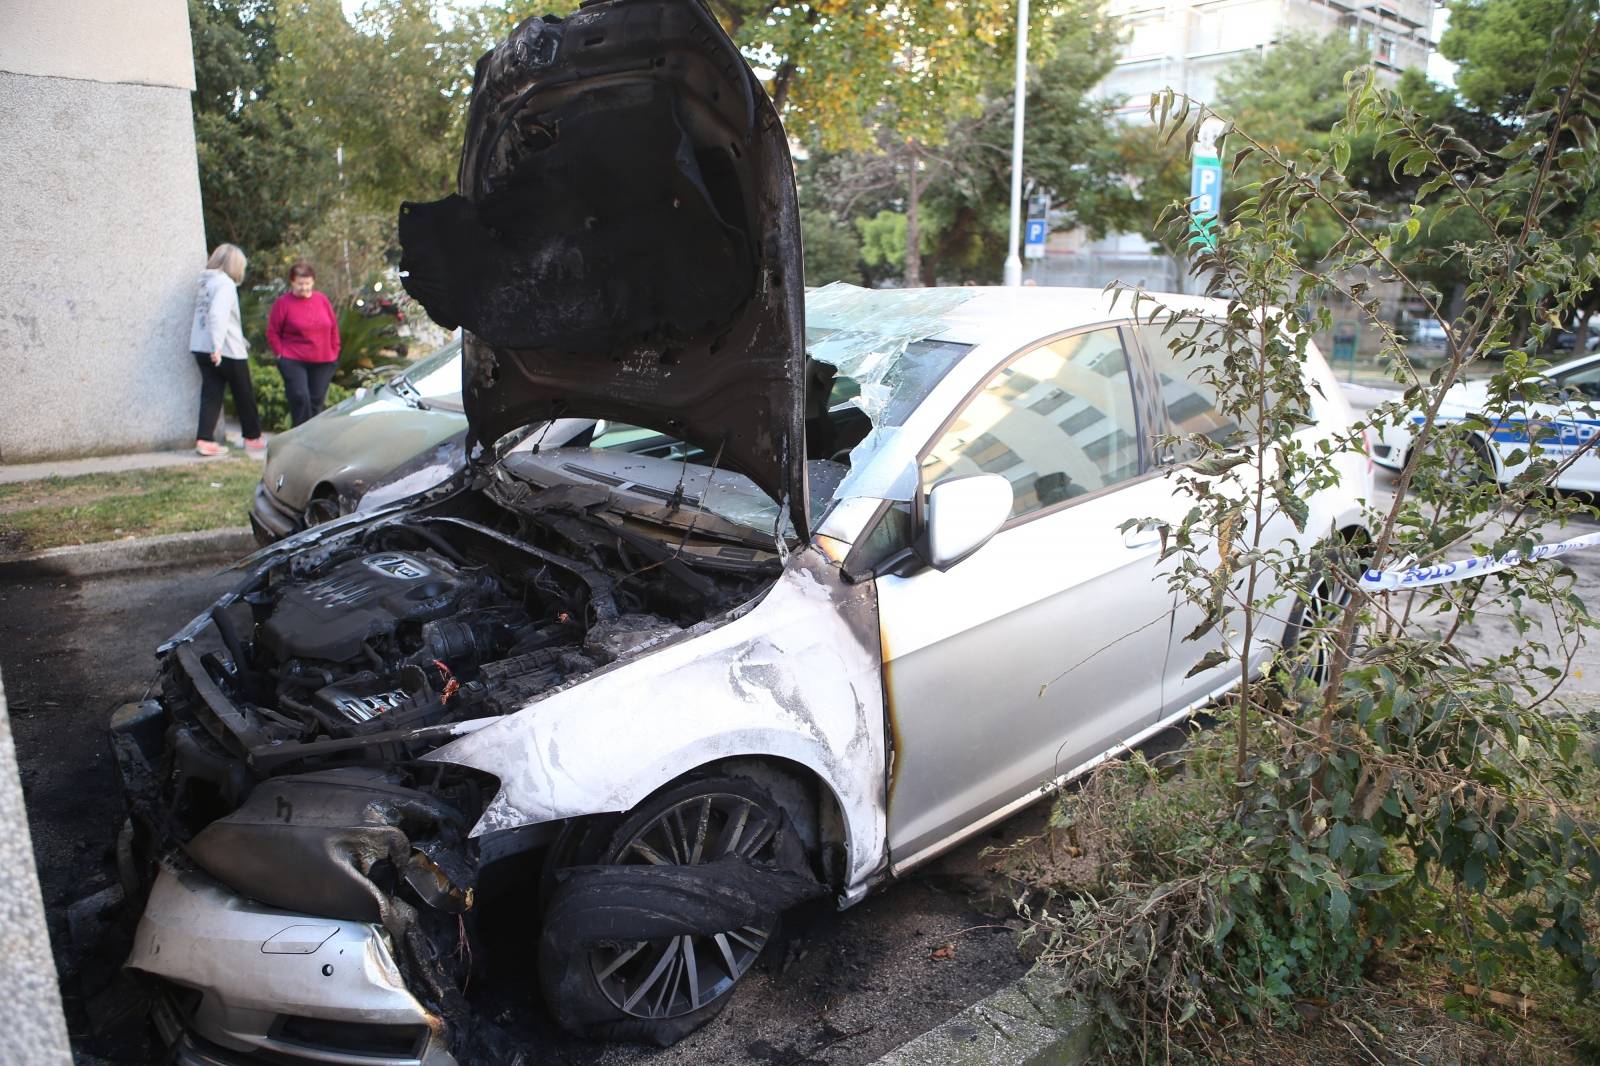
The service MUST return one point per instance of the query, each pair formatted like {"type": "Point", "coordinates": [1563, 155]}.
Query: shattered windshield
{"type": "Point", "coordinates": [882, 348]}
{"type": "Point", "coordinates": [883, 341]}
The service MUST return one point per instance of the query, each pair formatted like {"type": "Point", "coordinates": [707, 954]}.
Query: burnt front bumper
{"type": "Point", "coordinates": [241, 983]}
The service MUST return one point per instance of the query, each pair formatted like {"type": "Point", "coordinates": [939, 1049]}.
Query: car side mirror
{"type": "Point", "coordinates": [963, 513]}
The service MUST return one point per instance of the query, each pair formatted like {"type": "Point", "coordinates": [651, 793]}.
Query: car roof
{"type": "Point", "coordinates": [1574, 364]}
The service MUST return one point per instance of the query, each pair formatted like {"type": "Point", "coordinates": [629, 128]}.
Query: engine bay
{"type": "Point", "coordinates": [368, 648]}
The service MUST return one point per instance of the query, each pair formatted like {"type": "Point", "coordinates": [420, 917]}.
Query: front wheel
{"type": "Point", "coordinates": [1319, 613]}
{"type": "Point", "coordinates": [659, 990]}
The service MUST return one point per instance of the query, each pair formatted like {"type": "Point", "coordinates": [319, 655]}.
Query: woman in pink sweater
{"type": "Point", "coordinates": [303, 332]}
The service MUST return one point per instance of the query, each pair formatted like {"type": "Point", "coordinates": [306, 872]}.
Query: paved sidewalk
{"type": "Point", "coordinates": [1024, 1024]}
{"type": "Point", "coordinates": [11, 473]}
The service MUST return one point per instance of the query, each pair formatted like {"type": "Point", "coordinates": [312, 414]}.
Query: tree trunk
{"type": "Point", "coordinates": [1580, 329]}
{"type": "Point", "coordinates": [913, 237]}
{"type": "Point", "coordinates": [781, 80]}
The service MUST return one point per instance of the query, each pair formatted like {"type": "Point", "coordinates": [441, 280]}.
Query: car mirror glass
{"type": "Point", "coordinates": [963, 513]}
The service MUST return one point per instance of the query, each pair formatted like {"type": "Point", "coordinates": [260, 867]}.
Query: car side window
{"type": "Point", "coordinates": [1057, 422]}
{"type": "Point", "coordinates": [1190, 399]}
{"type": "Point", "coordinates": [1584, 383]}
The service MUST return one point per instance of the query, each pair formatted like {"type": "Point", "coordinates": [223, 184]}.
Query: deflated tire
{"type": "Point", "coordinates": [647, 943]}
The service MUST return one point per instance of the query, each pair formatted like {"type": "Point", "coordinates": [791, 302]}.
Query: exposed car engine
{"type": "Point", "coordinates": [366, 651]}
{"type": "Point", "coordinates": [387, 640]}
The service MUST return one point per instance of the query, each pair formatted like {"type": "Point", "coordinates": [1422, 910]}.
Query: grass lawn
{"type": "Point", "coordinates": [54, 511]}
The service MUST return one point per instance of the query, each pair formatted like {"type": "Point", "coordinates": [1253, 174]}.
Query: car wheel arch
{"type": "Point", "coordinates": [324, 494]}
{"type": "Point", "coordinates": [813, 806]}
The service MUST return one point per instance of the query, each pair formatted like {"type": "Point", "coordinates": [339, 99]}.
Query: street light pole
{"type": "Point", "coordinates": [1013, 256]}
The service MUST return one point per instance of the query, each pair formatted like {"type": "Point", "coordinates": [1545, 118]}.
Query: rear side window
{"type": "Point", "coordinates": [1188, 378]}
{"type": "Point", "coordinates": [1583, 383]}
{"type": "Point", "coordinates": [1057, 422]}
{"type": "Point", "coordinates": [1185, 378]}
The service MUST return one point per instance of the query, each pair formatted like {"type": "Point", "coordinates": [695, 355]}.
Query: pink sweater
{"type": "Point", "coordinates": [304, 329]}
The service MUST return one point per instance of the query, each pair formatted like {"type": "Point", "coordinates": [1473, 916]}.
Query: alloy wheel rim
{"type": "Point", "coordinates": [679, 975]}
{"type": "Point", "coordinates": [1325, 603]}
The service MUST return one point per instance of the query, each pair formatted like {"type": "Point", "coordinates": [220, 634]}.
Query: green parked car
{"type": "Point", "coordinates": [411, 427]}
{"type": "Point", "coordinates": [395, 440]}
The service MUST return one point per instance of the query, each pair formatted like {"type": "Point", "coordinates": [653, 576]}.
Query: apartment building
{"type": "Point", "coordinates": [1186, 45]}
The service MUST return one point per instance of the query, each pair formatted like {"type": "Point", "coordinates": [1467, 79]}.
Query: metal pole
{"type": "Point", "coordinates": [1013, 255]}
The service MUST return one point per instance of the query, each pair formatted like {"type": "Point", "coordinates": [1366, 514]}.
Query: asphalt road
{"type": "Point", "coordinates": [854, 985]}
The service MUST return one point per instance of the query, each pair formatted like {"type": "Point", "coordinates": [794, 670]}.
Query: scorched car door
{"type": "Point", "coordinates": [1044, 648]}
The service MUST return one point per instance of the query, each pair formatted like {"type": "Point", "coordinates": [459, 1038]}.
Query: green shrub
{"type": "Point", "coordinates": [363, 341]}
{"type": "Point", "coordinates": [272, 402]}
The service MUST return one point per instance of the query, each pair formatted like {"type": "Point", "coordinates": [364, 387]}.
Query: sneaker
{"type": "Point", "coordinates": [255, 444]}
{"type": "Point", "coordinates": [209, 447]}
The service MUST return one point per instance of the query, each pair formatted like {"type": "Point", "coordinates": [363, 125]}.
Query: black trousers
{"type": "Point", "coordinates": [235, 375]}
{"type": "Point", "coordinates": [306, 385]}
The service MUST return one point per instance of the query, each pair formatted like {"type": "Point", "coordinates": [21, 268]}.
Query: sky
{"type": "Point", "coordinates": [1441, 69]}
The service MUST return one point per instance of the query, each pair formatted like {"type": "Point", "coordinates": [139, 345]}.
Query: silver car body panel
{"type": "Point", "coordinates": [796, 676]}
{"type": "Point", "coordinates": [999, 685]}
{"type": "Point", "coordinates": [254, 964]}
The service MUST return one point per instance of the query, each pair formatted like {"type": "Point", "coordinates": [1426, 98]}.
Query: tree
{"type": "Point", "coordinates": [841, 70]}
{"type": "Point", "coordinates": [884, 79]}
{"type": "Point", "coordinates": [253, 162]}
{"type": "Point", "coordinates": [832, 250]}
{"type": "Point", "coordinates": [1502, 48]}
{"type": "Point", "coordinates": [951, 196]}
{"type": "Point", "coordinates": [1499, 47]}
{"type": "Point", "coordinates": [283, 90]}
{"type": "Point", "coordinates": [1069, 153]}
{"type": "Point", "coordinates": [1382, 780]}
{"type": "Point", "coordinates": [387, 92]}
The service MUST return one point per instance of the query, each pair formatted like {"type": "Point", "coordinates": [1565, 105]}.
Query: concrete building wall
{"type": "Point", "coordinates": [1186, 44]}
{"type": "Point", "coordinates": [103, 238]}
{"type": "Point", "coordinates": [36, 1030]}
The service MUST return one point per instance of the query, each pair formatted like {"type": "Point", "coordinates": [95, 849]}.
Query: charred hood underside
{"type": "Point", "coordinates": [624, 242]}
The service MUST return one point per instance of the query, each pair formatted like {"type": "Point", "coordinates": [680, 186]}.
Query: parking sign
{"type": "Point", "coordinates": [1205, 186]}
{"type": "Point", "coordinates": [1033, 243]}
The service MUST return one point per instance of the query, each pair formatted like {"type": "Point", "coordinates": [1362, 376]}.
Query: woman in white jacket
{"type": "Point", "coordinates": [220, 351]}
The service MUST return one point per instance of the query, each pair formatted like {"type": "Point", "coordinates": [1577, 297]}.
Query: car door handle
{"type": "Point", "coordinates": [1142, 538]}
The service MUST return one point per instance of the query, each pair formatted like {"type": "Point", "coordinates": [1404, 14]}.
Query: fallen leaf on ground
{"type": "Point", "coordinates": [944, 952]}
{"type": "Point", "coordinates": [1521, 1004]}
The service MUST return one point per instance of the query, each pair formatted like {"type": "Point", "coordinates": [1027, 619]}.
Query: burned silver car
{"type": "Point", "coordinates": [634, 706]}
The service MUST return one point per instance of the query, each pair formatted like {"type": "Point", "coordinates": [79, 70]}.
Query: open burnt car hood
{"type": "Point", "coordinates": [625, 241]}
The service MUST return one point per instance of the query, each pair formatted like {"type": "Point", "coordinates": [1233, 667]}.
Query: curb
{"type": "Point", "coordinates": [144, 553]}
{"type": "Point", "coordinates": [1026, 1023]}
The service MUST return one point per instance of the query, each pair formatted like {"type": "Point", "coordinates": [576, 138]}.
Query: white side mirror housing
{"type": "Point", "coordinates": [963, 513]}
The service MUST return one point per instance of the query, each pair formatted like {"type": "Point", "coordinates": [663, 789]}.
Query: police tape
{"type": "Point", "coordinates": [1417, 577]}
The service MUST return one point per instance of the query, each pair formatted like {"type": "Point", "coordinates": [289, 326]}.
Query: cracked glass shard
{"type": "Point", "coordinates": [885, 344]}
